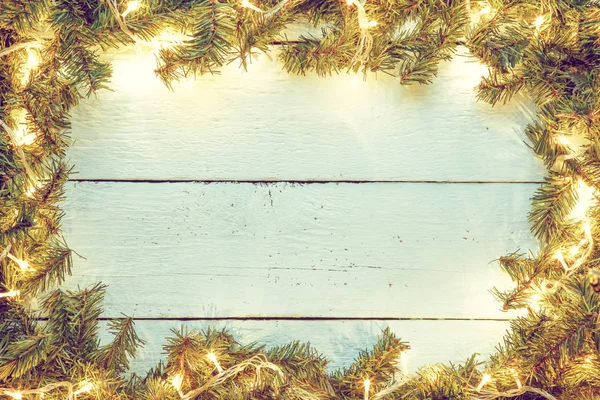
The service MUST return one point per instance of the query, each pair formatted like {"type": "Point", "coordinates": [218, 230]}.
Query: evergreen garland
{"type": "Point", "coordinates": [49, 60]}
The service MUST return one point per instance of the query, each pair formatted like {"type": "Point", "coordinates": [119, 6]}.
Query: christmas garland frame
{"type": "Point", "coordinates": [49, 60]}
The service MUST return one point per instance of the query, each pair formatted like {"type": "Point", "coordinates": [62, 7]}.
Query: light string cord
{"type": "Point", "coordinates": [18, 148]}
{"type": "Point", "coordinates": [18, 394]}
{"type": "Point", "coordinates": [121, 20]}
{"type": "Point", "coordinates": [270, 12]}
{"type": "Point", "coordinates": [491, 395]}
{"type": "Point", "coordinates": [19, 46]}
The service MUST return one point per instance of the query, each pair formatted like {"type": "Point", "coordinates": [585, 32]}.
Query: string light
{"type": "Point", "coordinates": [11, 293]}
{"type": "Point", "coordinates": [586, 198]}
{"type": "Point", "coordinates": [558, 255]}
{"type": "Point", "coordinates": [588, 360]}
{"type": "Point", "coordinates": [371, 24]}
{"type": "Point", "coordinates": [177, 382]}
{"type": "Point", "coordinates": [485, 10]}
{"type": "Point", "coordinates": [516, 376]}
{"type": "Point", "coordinates": [485, 379]}
{"type": "Point", "coordinates": [563, 140]}
{"type": "Point", "coordinates": [268, 13]}
{"type": "Point", "coordinates": [247, 4]}
{"type": "Point", "coordinates": [538, 22]}
{"type": "Point", "coordinates": [33, 61]}
{"type": "Point", "coordinates": [131, 6]}
{"type": "Point", "coordinates": [575, 249]}
{"type": "Point", "coordinates": [213, 358]}
{"type": "Point", "coordinates": [87, 386]}
{"type": "Point", "coordinates": [534, 300]}
{"type": "Point", "coordinates": [367, 385]}
{"type": "Point", "coordinates": [24, 265]}
{"type": "Point", "coordinates": [14, 395]}
{"type": "Point", "coordinates": [168, 38]}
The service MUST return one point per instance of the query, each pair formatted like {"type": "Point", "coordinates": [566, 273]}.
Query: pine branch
{"type": "Point", "coordinates": [378, 365]}
{"type": "Point", "coordinates": [22, 357]}
{"type": "Point", "coordinates": [115, 356]}
{"type": "Point", "coordinates": [551, 205]}
{"type": "Point", "coordinates": [207, 50]}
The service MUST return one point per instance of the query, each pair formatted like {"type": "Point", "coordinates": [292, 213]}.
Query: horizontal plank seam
{"type": "Point", "coordinates": [303, 319]}
{"type": "Point", "coordinates": [302, 182]}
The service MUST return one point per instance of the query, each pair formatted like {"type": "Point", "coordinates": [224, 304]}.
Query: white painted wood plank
{"type": "Point", "coordinates": [265, 124]}
{"type": "Point", "coordinates": [322, 250]}
{"type": "Point", "coordinates": [339, 341]}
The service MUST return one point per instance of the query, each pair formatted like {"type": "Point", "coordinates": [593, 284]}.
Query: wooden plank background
{"type": "Point", "coordinates": [286, 207]}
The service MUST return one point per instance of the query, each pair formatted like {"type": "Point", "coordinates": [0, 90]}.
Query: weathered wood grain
{"type": "Point", "coordinates": [265, 124]}
{"type": "Point", "coordinates": [339, 341]}
{"type": "Point", "coordinates": [321, 250]}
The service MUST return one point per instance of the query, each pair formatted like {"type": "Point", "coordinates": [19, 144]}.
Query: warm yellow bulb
{"type": "Point", "coordinates": [367, 384]}
{"type": "Point", "coordinates": [213, 358]}
{"type": "Point", "coordinates": [247, 4]}
{"type": "Point", "coordinates": [371, 24]}
{"type": "Point", "coordinates": [177, 381]}
{"type": "Point", "coordinates": [33, 59]}
{"type": "Point", "coordinates": [517, 379]}
{"type": "Point", "coordinates": [24, 265]}
{"type": "Point", "coordinates": [131, 6]}
{"type": "Point", "coordinates": [586, 198]}
{"type": "Point", "coordinates": [484, 381]}
{"type": "Point", "coordinates": [14, 395]}
{"type": "Point", "coordinates": [485, 10]}
{"type": "Point", "coordinates": [349, 2]}
{"type": "Point", "coordinates": [11, 293]}
{"type": "Point", "coordinates": [87, 386]}
{"type": "Point", "coordinates": [539, 21]}
{"type": "Point", "coordinates": [574, 250]}
{"type": "Point", "coordinates": [563, 140]}
{"type": "Point", "coordinates": [559, 256]}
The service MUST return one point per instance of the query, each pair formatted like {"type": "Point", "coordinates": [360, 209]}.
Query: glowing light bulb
{"type": "Point", "coordinates": [33, 59]}
{"type": "Point", "coordinates": [24, 265]}
{"type": "Point", "coordinates": [14, 395]}
{"type": "Point", "coordinates": [574, 250]}
{"type": "Point", "coordinates": [558, 255]}
{"type": "Point", "coordinates": [538, 22]}
{"type": "Point", "coordinates": [367, 384]}
{"type": "Point", "coordinates": [11, 293]}
{"type": "Point", "coordinates": [563, 140]}
{"type": "Point", "coordinates": [168, 38]}
{"type": "Point", "coordinates": [131, 6]}
{"type": "Point", "coordinates": [516, 376]}
{"type": "Point", "coordinates": [247, 4]}
{"type": "Point", "coordinates": [349, 2]}
{"type": "Point", "coordinates": [586, 198]}
{"type": "Point", "coordinates": [87, 386]}
{"type": "Point", "coordinates": [485, 10]}
{"type": "Point", "coordinates": [25, 138]}
{"type": "Point", "coordinates": [177, 381]}
{"type": "Point", "coordinates": [588, 360]}
{"type": "Point", "coordinates": [534, 300]}
{"type": "Point", "coordinates": [371, 24]}
{"type": "Point", "coordinates": [213, 358]}
{"type": "Point", "coordinates": [484, 381]}
{"type": "Point", "coordinates": [31, 190]}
